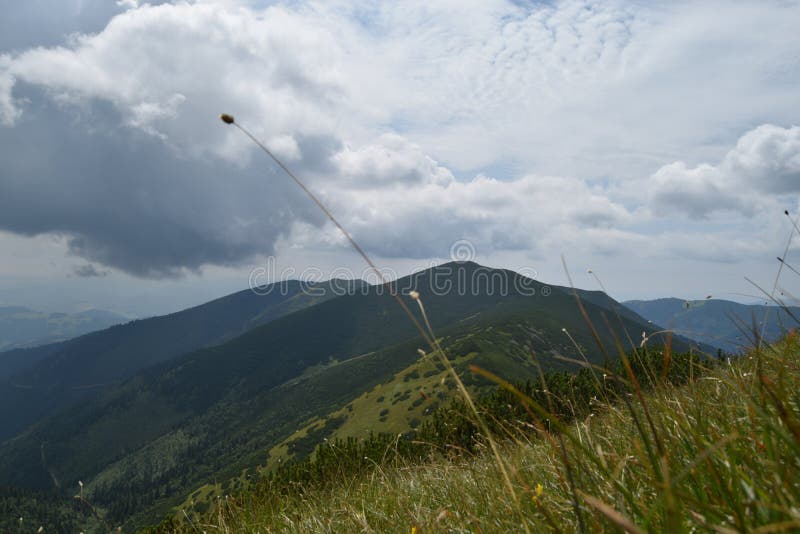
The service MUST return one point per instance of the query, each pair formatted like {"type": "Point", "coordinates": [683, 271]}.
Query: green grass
{"type": "Point", "coordinates": [395, 405]}
{"type": "Point", "coordinates": [721, 453]}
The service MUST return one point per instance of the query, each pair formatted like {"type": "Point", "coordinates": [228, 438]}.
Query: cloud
{"type": "Point", "coordinates": [764, 162]}
{"type": "Point", "coordinates": [573, 87]}
{"type": "Point", "coordinates": [392, 161]}
{"type": "Point", "coordinates": [169, 70]}
{"type": "Point", "coordinates": [695, 192]}
{"type": "Point", "coordinates": [286, 71]}
{"type": "Point", "coordinates": [130, 161]}
{"type": "Point", "coordinates": [767, 158]}
{"type": "Point", "coordinates": [533, 128]}
{"type": "Point", "coordinates": [716, 247]}
{"type": "Point", "coordinates": [89, 271]}
{"type": "Point", "coordinates": [400, 202]}
{"type": "Point", "coordinates": [579, 88]}
{"type": "Point", "coordinates": [126, 200]}
{"type": "Point", "coordinates": [9, 111]}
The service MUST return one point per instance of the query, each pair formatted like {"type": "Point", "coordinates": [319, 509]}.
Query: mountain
{"type": "Point", "coordinates": [38, 382]}
{"type": "Point", "coordinates": [721, 323]}
{"type": "Point", "coordinates": [214, 412]}
{"type": "Point", "coordinates": [22, 327]}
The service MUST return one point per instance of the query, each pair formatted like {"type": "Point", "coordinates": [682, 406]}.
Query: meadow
{"type": "Point", "coordinates": [712, 447]}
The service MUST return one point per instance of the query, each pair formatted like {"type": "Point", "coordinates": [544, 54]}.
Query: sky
{"type": "Point", "coordinates": [655, 144]}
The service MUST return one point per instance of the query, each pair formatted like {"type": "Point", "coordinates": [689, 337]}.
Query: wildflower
{"type": "Point", "coordinates": [421, 352]}
{"type": "Point", "coordinates": [537, 493]}
{"type": "Point", "coordinates": [414, 530]}
{"type": "Point", "coordinates": [414, 295]}
{"type": "Point", "coordinates": [227, 119]}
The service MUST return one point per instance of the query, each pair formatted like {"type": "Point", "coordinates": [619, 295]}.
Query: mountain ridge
{"type": "Point", "coordinates": [22, 327]}
{"type": "Point", "coordinates": [218, 410]}
{"type": "Point", "coordinates": [48, 378]}
{"type": "Point", "coordinates": [723, 323]}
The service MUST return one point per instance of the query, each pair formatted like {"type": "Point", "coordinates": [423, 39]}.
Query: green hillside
{"type": "Point", "coordinates": [212, 413]}
{"type": "Point", "coordinates": [28, 511]}
{"type": "Point", "coordinates": [694, 446]}
{"type": "Point", "coordinates": [52, 377]}
{"type": "Point", "coordinates": [21, 327]}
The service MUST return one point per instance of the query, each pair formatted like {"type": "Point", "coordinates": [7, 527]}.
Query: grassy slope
{"type": "Point", "coordinates": [301, 407]}
{"type": "Point", "coordinates": [399, 403]}
{"type": "Point", "coordinates": [730, 461]}
{"type": "Point", "coordinates": [406, 398]}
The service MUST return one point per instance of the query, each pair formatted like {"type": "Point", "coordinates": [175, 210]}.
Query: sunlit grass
{"type": "Point", "coordinates": [721, 453]}
{"type": "Point", "coordinates": [730, 462]}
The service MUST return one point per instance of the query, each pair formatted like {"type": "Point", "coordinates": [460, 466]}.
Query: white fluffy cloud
{"type": "Point", "coordinates": [695, 192]}
{"type": "Point", "coordinates": [568, 125]}
{"type": "Point", "coordinates": [171, 69]}
{"type": "Point", "coordinates": [402, 203]}
{"type": "Point", "coordinates": [767, 159]}
{"type": "Point", "coordinates": [765, 162]}
{"type": "Point", "coordinates": [392, 161]}
{"type": "Point", "coordinates": [574, 87]}
{"type": "Point", "coordinates": [580, 87]}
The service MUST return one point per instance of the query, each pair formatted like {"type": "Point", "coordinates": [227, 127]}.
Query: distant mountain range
{"type": "Point", "coordinates": [720, 323]}
{"type": "Point", "coordinates": [22, 327]}
{"type": "Point", "coordinates": [157, 408]}
{"type": "Point", "coordinates": [40, 381]}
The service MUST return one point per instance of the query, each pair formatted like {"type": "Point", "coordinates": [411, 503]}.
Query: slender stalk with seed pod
{"type": "Point", "coordinates": [426, 332]}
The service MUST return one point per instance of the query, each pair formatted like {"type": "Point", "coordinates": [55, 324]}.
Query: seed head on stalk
{"type": "Point", "coordinates": [426, 332]}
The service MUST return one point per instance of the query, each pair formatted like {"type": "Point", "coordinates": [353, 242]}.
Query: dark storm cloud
{"type": "Point", "coordinates": [124, 199]}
